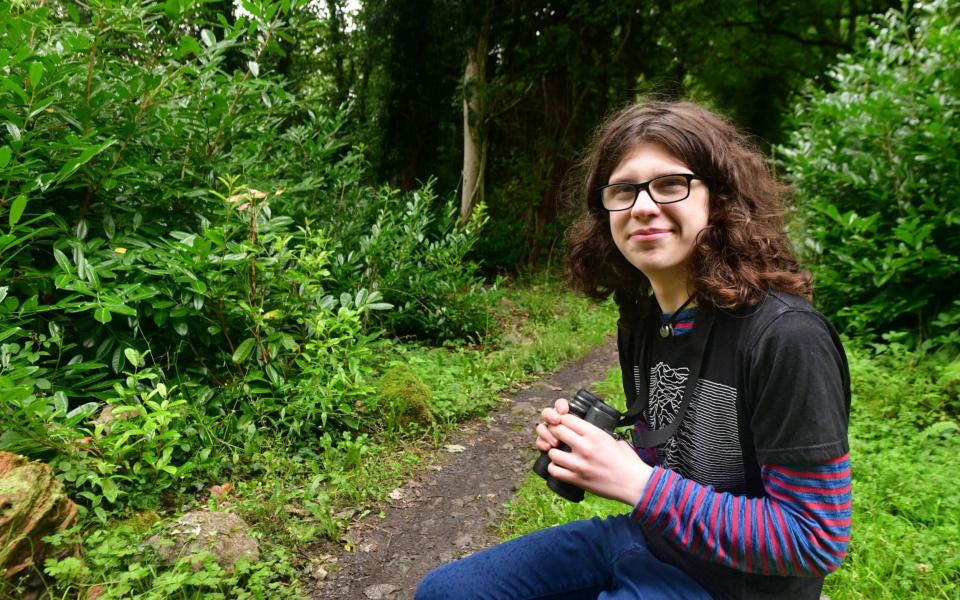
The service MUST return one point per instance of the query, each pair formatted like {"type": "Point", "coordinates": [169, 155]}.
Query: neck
{"type": "Point", "coordinates": [671, 294]}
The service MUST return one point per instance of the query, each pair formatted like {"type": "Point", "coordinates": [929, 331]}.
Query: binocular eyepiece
{"type": "Point", "coordinates": [592, 410]}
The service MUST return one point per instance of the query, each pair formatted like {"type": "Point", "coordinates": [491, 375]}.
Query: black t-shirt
{"type": "Point", "coordinates": [774, 388]}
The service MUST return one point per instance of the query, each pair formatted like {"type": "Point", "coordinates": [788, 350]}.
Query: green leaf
{"type": "Point", "coordinates": [243, 350]}
{"type": "Point", "coordinates": [133, 356]}
{"type": "Point", "coordinates": [5, 154]}
{"type": "Point", "coordinates": [62, 260]}
{"type": "Point", "coordinates": [122, 309]}
{"type": "Point", "coordinates": [14, 131]}
{"type": "Point", "coordinates": [180, 327]}
{"type": "Point", "coordinates": [35, 74]}
{"type": "Point", "coordinates": [208, 38]}
{"type": "Point", "coordinates": [17, 208]}
{"type": "Point", "coordinates": [81, 412]}
{"type": "Point", "coordinates": [110, 490]}
{"type": "Point", "coordinates": [83, 158]}
{"type": "Point", "coordinates": [102, 314]}
{"type": "Point", "coordinates": [189, 45]}
{"type": "Point", "coordinates": [254, 68]}
{"type": "Point", "coordinates": [109, 227]}
{"type": "Point", "coordinates": [115, 360]}
{"type": "Point", "coordinates": [60, 403]}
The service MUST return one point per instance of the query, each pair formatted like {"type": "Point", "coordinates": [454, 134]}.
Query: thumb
{"type": "Point", "coordinates": [561, 406]}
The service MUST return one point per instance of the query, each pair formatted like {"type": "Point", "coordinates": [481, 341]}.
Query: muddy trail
{"type": "Point", "coordinates": [451, 508]}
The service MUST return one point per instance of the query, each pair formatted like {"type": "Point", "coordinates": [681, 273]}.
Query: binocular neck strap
{"type": "Point", "coordinates": [699, 337]}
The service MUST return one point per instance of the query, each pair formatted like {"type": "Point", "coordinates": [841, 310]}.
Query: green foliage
{"type": "Point", "coordinates": [875, 163]}
{"type": "Point", "coordinates": [904, 440]}
{"type": "Point", "coordinates": [420, 263]}
{"type": "Point", "coordinates": [178, 243]}
{"type": "Point", "coordinates": [118, 564]}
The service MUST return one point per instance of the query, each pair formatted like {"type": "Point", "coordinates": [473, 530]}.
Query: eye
{"type": "Point", "coordinates": [671, 183]}
{"type": "Point", "coordinates": [620, 189]}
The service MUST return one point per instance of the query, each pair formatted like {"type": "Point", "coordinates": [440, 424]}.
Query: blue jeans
{"type": "Point", "coordinates": [604, 559]}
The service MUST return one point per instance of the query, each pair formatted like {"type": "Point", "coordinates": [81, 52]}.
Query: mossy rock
{"type": "Point", "coordinates": [406, 397]}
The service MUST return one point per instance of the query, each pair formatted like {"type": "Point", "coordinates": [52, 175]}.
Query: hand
{"type": "Point", "coordinates": [596, 461]}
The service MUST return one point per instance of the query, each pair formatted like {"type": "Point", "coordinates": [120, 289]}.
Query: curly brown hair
{"type": "Point", "coordinates": [744, 250]}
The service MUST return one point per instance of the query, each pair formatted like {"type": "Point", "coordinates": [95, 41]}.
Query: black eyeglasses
{"type": "Point", "coordinates": [665, 189]}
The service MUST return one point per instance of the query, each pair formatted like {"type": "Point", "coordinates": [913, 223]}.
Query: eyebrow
{"type": "Point", "coordinates": [624, 179]}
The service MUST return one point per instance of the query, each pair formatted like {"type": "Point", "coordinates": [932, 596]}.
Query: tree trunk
{"type": "Point", "coordinates": [474, 123]}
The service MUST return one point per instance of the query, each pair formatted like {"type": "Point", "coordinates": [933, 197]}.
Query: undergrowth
{"type": "Point", "coordinates": [294, 494]}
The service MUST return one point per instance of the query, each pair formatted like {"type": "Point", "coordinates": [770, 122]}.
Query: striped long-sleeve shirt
{"type": "Point", "coordinates": [801, 527]}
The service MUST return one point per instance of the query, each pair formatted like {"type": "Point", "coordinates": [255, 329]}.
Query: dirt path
{"type": "Point", "coordinates": [448, 510]}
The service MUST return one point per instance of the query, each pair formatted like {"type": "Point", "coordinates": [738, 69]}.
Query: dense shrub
{"type": "Point", "coordinates": [420, 262]}
{"type": "Point", "coordinates": [189, 249]}
{"type": "Point", "coordinates": [876, 164]}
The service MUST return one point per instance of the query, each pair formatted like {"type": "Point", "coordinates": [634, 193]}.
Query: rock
{"type": "Point", "coordinates": [406, 398]}
{"type": "Point", "coordinates": [222, 534]}
{"type": "Point", "coordinates": [526, 408]}
{"type": "Point", "coordinates": [33, 504]}
{"type": "Point", "coordinates": [107, 415]}
{"type": "Point", "coordinates": [379, 591]}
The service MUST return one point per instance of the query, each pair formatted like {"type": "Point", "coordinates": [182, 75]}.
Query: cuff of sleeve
{"type": "Point", "coordinates": [653, 495]}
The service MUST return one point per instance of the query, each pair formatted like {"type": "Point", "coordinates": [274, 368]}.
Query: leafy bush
{"type": "Point", "coordinates": [178, 243]}
{"type": "Point", "coordinates": [420, 262]}
{"type": "Point", "coordinates": [876, 164]}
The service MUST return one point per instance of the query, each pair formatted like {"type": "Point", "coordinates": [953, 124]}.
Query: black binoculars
{"type": "Point", "coordinates": [592, 410]}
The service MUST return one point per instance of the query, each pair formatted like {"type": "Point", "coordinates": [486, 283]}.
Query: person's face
{"type": "Point", "coordinates": [656, 238]}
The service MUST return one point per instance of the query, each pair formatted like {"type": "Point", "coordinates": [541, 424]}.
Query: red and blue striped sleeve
{"type": "Point", "coordinates": [801, 527]}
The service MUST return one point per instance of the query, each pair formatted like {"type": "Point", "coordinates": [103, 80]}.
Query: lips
{"type": "Point", "coordinates": [648, 234]}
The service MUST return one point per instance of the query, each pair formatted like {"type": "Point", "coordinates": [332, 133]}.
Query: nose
{"type": "Point", "coordinates": [644, 205]}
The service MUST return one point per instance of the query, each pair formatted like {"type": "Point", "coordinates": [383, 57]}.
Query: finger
{"type": "Point", "coordinates": [568, 436]}
{"type": "Point", "coordinates": [550, 416]}
{"type": "Point", "coordinates": [544, 434]}
{"type": "Point", "coordinates": [566, 465]}
{"type": "Point", "coordinates": [542, 446]}
{"type": "Point", "coordinates": [578, 425]}
{"type": "Point", "coordinates": [560, 473]}
{"type": "Point", "coordinates": [561, 406]}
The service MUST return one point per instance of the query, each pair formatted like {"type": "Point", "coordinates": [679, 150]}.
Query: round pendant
{"type": "Point", "coordinates": [666, 330]}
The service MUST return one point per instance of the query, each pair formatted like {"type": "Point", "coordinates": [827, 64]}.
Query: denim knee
{"type": "Point", "coordinates": [437, 585]}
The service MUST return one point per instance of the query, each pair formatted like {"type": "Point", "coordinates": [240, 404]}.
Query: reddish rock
{"type": "Point", "coordinates": [33, 504]}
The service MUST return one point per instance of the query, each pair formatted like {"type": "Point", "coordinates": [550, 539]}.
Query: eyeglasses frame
{"type": "Point", "coordinates": [645, 186]}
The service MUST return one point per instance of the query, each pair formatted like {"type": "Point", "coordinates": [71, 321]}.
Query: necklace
{"type": "Point", "coordinates": [666, 330]}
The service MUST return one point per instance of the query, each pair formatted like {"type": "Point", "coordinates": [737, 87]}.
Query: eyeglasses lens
{"type": "Point", "coordinates": [663, 190]}
{"type": "Point", "coordinates": [670, 189]}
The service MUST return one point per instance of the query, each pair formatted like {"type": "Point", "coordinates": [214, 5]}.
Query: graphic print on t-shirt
{"type": "Point", "coordinates": [706, 447]}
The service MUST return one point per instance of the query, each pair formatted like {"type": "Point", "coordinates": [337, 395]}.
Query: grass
{"type": "Point", "coordinates": [293, 498]}
{"type": "Point", "coordinates": [904, 446]}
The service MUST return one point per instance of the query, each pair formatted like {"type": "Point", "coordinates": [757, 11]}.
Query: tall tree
{"type": "Point", "coordinates": [475, 115]}
{"type": "Point", "coordinates": [498, 98]}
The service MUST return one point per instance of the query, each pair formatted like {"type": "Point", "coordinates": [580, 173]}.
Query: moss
{"type": "Point", "coordinates": [406, 397]}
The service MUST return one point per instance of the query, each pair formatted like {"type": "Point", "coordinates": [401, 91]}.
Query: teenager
{"type": "Point", "coordinates": [738, 475]}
